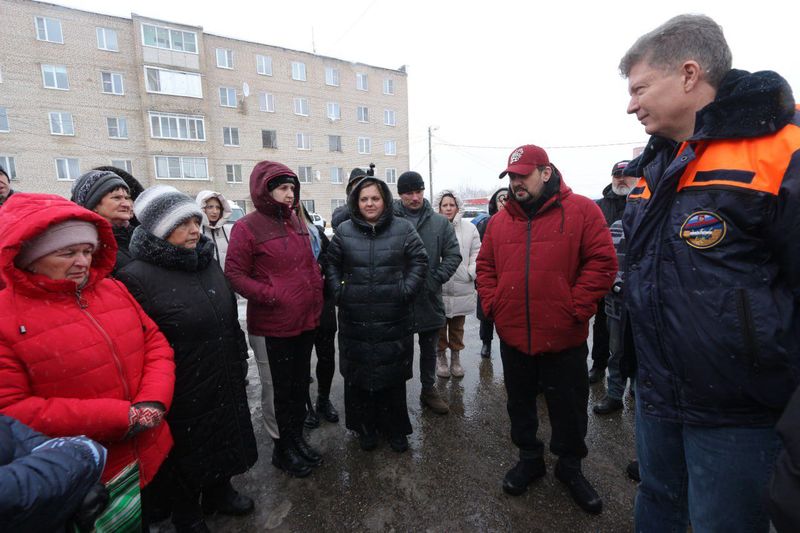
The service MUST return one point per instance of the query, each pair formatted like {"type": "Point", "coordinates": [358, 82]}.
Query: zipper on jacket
{"type": "Point", "coordinates": [748, 327]}
{"type": "Point", "coordinates": [527, 285]}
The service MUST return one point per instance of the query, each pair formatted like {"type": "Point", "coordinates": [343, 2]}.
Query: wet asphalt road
{"type": "Point", "coordinates": [449, 479]}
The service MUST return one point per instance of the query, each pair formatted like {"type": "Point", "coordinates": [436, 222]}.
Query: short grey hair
{"type": "Point", "coordinates": [685, 37]}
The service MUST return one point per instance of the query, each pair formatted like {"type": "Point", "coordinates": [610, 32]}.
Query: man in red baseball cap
{"type": "Point", "coordinates": [545, 261]}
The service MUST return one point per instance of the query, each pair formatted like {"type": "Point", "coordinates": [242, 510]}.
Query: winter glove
{"type": "Point", "coordinates": [94, 503]}
{"type": "Point", "coordinates": [143, 416]}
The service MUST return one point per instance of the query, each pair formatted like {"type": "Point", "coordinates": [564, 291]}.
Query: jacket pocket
{"type": "Point", "coordinates": [745, 312]}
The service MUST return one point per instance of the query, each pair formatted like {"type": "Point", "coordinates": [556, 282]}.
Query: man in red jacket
{"type": "Point", "coordinates": [545, 261]}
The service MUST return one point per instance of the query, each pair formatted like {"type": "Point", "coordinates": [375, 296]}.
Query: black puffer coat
{"type": "Point", "coordinates": [375, 273]}
{"type": "Point", "coordinates": [122, 234]}
{"type": "Point", "coordinates": [185, 292]}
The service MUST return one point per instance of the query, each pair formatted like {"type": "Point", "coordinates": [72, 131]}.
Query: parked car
{"type": "Point", "coordinates": [318, 220]}
{"type": "Point", "coordinates": [236, 213]}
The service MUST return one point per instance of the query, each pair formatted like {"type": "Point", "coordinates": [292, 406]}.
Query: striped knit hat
{"type": "Point", "coordinates": [162, 208]}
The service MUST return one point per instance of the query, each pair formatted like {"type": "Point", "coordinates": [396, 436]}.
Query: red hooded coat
{"type": "Point", "coordinates": [73, 362]}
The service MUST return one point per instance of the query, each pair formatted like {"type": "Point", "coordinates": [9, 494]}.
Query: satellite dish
{"type": "Point", "coordinates": [245, 89]}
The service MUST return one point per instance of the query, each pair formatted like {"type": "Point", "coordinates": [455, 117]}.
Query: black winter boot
{"type": "Point", "coordinates": [529, 468]}
{"type": "Point", "coordinates": [486, 349]}
{"type": "Point", "coordinates": [312, 419]}
{"type": "Point", "coordinates": [607, 405]}
{"type": "Point", "coordinates": [285, 457]}
{"type": "Point", "coordinates": [309, 454]}
{"type": "Point", "coordinates": [224, 499]}
{"type": "Point", "coordinates": [568, 471]}
{"type": "Point", "coordinates": [597, 373]}
{"type": "Point", "coordinates": [326, 410]}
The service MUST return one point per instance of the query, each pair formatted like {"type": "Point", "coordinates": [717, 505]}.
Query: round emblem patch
{"type": "Point", "coordinates": [703, 229]}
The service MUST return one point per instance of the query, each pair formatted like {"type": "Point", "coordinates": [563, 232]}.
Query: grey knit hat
{"type": "Point", "coordinates": [89, 189]}
{"type": "Point", "coordinates": [162, 208]}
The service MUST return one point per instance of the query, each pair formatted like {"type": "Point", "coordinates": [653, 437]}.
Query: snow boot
{"type": "Point", "coordinates": [456, 370]}
{"type": "Point", "coordinates": [442, 370]}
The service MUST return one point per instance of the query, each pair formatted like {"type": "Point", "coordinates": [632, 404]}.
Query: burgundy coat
{"type": "Point", "coordinates": [540, 278]}
{"type": "Point", "coordinates": [270, 262]}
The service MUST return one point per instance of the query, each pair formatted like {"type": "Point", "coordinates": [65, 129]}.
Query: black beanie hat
{"type": "Point", "coordinates": [410, 181]}
{"type": "Point", "coordinates": [276, 182]}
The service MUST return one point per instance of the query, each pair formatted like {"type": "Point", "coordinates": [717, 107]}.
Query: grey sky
{"type": "Point", "coordinates": [496, 74]}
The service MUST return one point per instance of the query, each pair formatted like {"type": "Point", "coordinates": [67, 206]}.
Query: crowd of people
{"type": "Point", "coordinates": [123, 362]}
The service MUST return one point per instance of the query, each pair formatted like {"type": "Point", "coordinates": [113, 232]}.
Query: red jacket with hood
{"type": "Point", "coordinates": [73, 362]}
{"type": "Point", "coordinates": [270, 262]}
{"type": "Point", "coordinates": [540, 278]}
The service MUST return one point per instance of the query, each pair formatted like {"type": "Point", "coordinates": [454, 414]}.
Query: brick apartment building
{"type": "Point", "coordinates": [178, 106]}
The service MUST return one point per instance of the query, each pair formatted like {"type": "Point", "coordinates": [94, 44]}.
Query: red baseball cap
{"type": "Point", "coordinates": [525, 160]}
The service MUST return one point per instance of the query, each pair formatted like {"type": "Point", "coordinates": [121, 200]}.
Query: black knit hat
{"type": "Point", "coordinates": [410, 181]}
{"type": "Point", "coordinates": [134, 186]}
{"type": "Point", "coordinates": [89, 189]}
{"type": "Point", "coordinates": [276, 182]}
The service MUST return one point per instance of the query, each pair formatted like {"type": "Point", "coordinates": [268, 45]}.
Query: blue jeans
{"type": "Point", "coordinates": [714, 477]}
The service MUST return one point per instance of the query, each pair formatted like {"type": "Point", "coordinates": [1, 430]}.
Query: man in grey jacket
{"type": "Point", "coordinates": [444, 257]}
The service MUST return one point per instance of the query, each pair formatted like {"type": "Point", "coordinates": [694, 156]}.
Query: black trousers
{"type": "Point", "coordinates": [487, 330]}
{"type": "Point", "coordinates": [383, 410]}
{"type": "Point", "coordinates": [428, 340]}
{"type": "Point", "coordinates": [326, 359]}
{"type": "Point", "coordinates": [600, 348]}
{"type": "Point", "coordinates": [564, 379]}
{"type": "Point", "coordinates": [290, 366]}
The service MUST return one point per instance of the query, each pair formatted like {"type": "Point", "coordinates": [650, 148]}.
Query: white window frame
{"type": "Point", "coordinates": [388, 86]}
{"type": "Point", "coordinates": [390, 175]}
{"type": "Point", "coordinates": [233, 173]}
{"type": "Point", "coordinates": [303, 141]}
{"type": "Point", "coordinates": [226, 100]}
{"type": "Point", "coordinates": [364, 145]}
{"type": "Point", "coordinates": [182, 162]}
{"type": "Point", "coordinates": [9, 163]}
{"type": "Point", "coordinates": [171, 38]}
{"type": "Point", "coordinates": [332, 77]}
{"type": "Point", "coordinates": [299, 71]}
{"type": "Point", "coordinates": [182, 123]}
{"type": "Point", "coordinates": [390, 147]}
{"type": "Point", "coordinates": [264, 65]}
{"type": "Point", "coordinates": [362, 81]}
{"type": "Point", "coordinates": [54, 70]}
{"type": "Point", "coordinates": [305, 174]}
{"type": "Point", "coordinates": [337, 175]}
{"type": "Point", "coordinates": [334, 111]}
{"type": "Point", "coordinates": [121, 126]}
{"type": "Point", "coordinates": [389, 117]}
{"type": "Point", "coordinates": [111, 78]}
{"type": "Point", "coordinates": [71, 166]}
{"type": "Point", "coordinates": [362, 114]}
{"type": "Point", "coordinates": [224, 58]}
{"type": "Point", "coordinates": [275, 136]}
{"type": "Point", "coordinates": [61, 123]}
{"type": "Point", "coordinates": [230, 136]}
{"type": "Point", "coordinates": [336, 203]}
{"type": "Point", "coordinates": [177, 74]}
{"type": "Point", "coordinates": [5, 125]}
{"type": "Point", "coordinates": [266, 102]}
{"type": "Point", "coordinates": [301, 106]}
{"type": "Point", "coordinates": [43, 32]}
{"type": "Point", "coordinates": [339, 143]}
{"type": "Point", "coordinates": [124, 164]}
{"type": "Point", "coordinates": [103, 39]}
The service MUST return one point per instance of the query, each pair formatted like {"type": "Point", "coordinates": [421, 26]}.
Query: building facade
{"type": "Point", "coordinates": [178, 106]}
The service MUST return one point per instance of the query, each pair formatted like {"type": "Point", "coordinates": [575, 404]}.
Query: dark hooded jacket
{"type": "Point", "coordinates": [712, 281]}
{"type": "Point", "coordinates": [270, 262]}
{"type": "Point", "coordinates": [612, 205]}
{"type": "Point", "coordinates": [185, 292]}
{"type": "Point", "coordinates": [375, 273]}
{"type": "Point", "coordinates": [122, 234]}
{"type": "Point", "coordinates": [444, 256]}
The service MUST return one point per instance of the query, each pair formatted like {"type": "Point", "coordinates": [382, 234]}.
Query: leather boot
{"type": "Point", "coordinates": [442, 370]}
{"type": "Point", "coordinates": [309, 454]}
{"type": "Point", "coordinates": [597, 374]}
{"type": "Point", "coordinates": [326, 410]}
{"type": "Point", "coordinates": [568, 471]}
{"type": "Point", "coordinates": [367, 439]}
{"type": "Point", "coordinates": [529, 468]}
{"type": "Point", "coordinates": [607, 405]}
{"type": "Point", "coordinates": [456, 370]}
{"type": "Point", "coordinates": [431, 397]}
{"type": "Point", "coordinates": [286, 458]}
{"type": "Point", "coordinates": [224, 499]}
{"type": "Point", "coordinates": [312, 419]}
{"type": "Point", "coordinates": [486, 349]}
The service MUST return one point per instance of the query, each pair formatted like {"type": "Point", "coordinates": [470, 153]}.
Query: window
{"type": "Point", "coordinates": [173, 82]}
{"type": "Point", "coordinates": [390, 148]}
{"type": "Point", "coordinates": [169, 39]}
{"type": "Point", "coordinates": [364, 145]}
{"type": "Point", "coordinates": [332, 76]}
{"type": "Point", "coordinates": [388, 86]}
{"type": "Point", "coordinates": [224, 58]}
{"type": "Point", "coordinates": [335, 143]}
{"type": "Point", "coordinates": [112, 82]}
{"type": "Point", "coordinates": [55, 77]}
{"type": "Point", "coordinates": [361, 81]}
{"type": "Point", "coordinates": [264, 65]}
{"type": "Point", "coordinates": [337, 203]}
{"type": "Point", "coordinates": [181, 168]}
{"type": "Point", "coordinates": [362, 113]}
{"type": "Point", "coordinates": [298, 71]}
{"type": "Point", "coordinates": [61, 123]}
{"type": "Point", "coordinates": [4, 126]}
{"type": "Point", "coordinates": [107, 39]}
{"type": "Point", "coordinates": [7, 162]}
{"type": "Point", "coordinates": [269, 138]}
{"type": "Point", "coordinates": [233, 173]}
{"type": "Point", "coordinates": [227, 96]}
{"type": "Point", "coordinates": [389, 117]}
{"type": "Point", "coordinates": [309, 205]}
{"type": "Point", "coordinates": [303, 141]}
{"type": "Point", "coordinates": [304, 174]}
{"type": "Point", "coordinates": [301, 106]}
{"type": "Point", "coordinates": [334, 111]}
{"type": "Point", "coordinates": [124, 164]}
{"type": "Point", "coordinates": [180, 127]}
{"type": "Point", "coordinates": [117, 127]}
{"type": "Point", "coordinates": [230, 136]}
{"type": "Point", "coordinates": [266, 102]}
{"type": "Point", "coordinates": [337, 175]}
{"type": "Point", "coordinates": [391, 175]}
{"type": "Point", "coordinates": [48, 29]}
{"type": "Point", "coordinates": [67, 168]}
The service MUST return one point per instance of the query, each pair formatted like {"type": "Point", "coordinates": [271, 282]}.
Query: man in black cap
{"type": "Point", "coordinates": [444, 256]}
{"type": "Point", "coordinates": [342, 213]}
